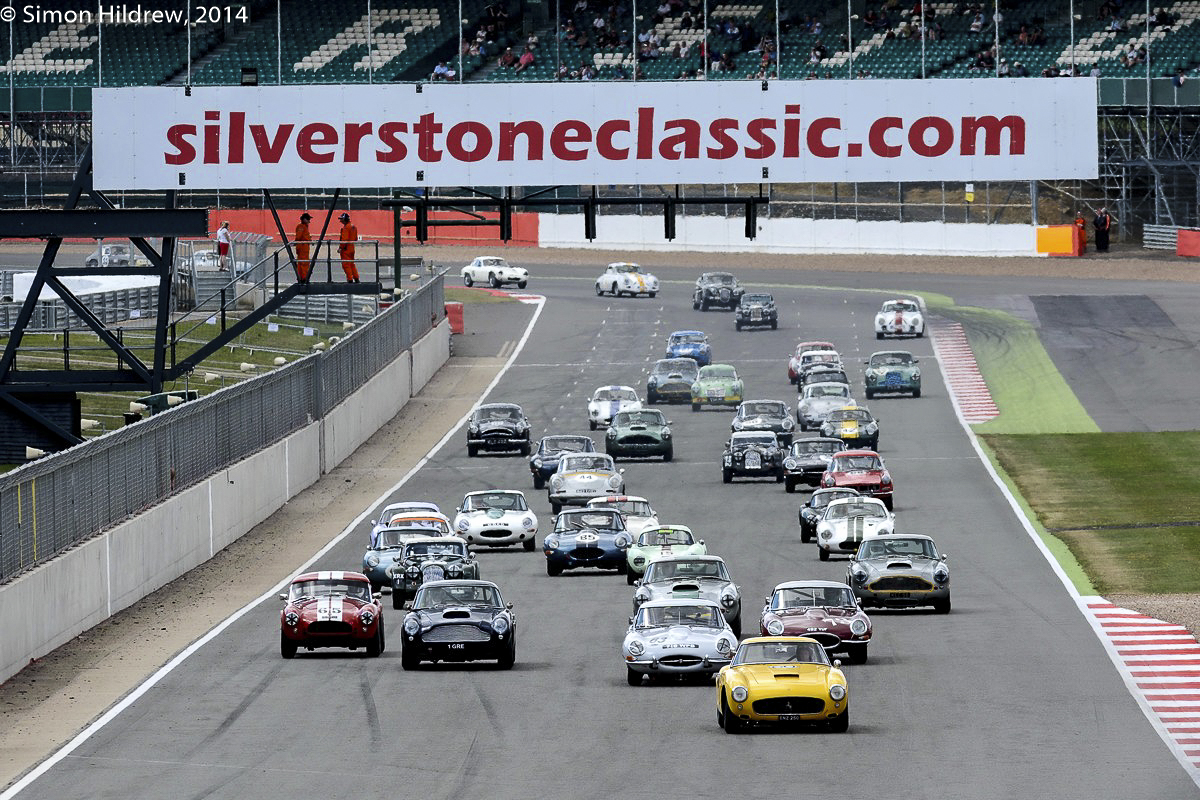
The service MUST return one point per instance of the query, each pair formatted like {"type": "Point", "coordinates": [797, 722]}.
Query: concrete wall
{"type": "Point", "coordinates": [48, 606]}
{"type": "Point", "coordinates": [800, 236]}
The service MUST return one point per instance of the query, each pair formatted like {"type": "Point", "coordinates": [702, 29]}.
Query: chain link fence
{"type": "Point", "coordinates": [50, 505]}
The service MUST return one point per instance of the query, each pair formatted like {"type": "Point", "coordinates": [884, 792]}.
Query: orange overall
{"type": "Point", "coordinates": [303, 253]}
{"type": "Point", "coordinates": [348, 237]}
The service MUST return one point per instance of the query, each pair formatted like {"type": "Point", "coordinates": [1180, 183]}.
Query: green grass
{"type": "Point", "coordinates": [1090, 489]}
{"type": "Point", "coordinates": [458, 294]}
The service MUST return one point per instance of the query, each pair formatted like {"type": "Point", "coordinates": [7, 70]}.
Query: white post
{"type": "Point", "coordinates": [778, 43]}
{"type": "Point", "coordinates": [705, 40]}
{"type": "Point", "coordinates": [187, 10]}
{"type": "Point", "coordinates": [370, 39]}
{"type": "Point", "coordinates": [1071, 13]}
{"type": "Point", "coordinates": [634, 45]}
{"type": "Point", "coordinates": [461, 40]}
{"type": "Point", "coordinates": [849, 42]}
{"type": "Point", "coordinates": [99, 45]}
{"type": "Point", "coordinates": [996, 46]}
{"type": "Point", "coordinates": [278, 43]}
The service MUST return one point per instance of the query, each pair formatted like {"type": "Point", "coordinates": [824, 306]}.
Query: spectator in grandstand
{"type": "Point", "coordinates": [562, 72]}
{"type": "Point", "coordinates": [223, 246]}
{"type": "Point", "coordinates": [817, 27]}
{"type": "Point", "coordinates": [303, 237]}
{"type": "Point", "coordinates": [507, 58]}
{"type": "Point", "coordinates": [442, 72]}
{"type": "Point", "coordinates": [581, 7]}
{"type": "Point", "coordinates": [1037, 37]}
{"type": "Point", "coordinates": [497, 14]}
{"type": "Point", "coordinates": [599, 23]}
{"type": "Point", "coordinates": [1095, 73]}
{"type": "Point", "coordinates": [685, 21]}
{"type": "Point", "coordinates": [1103, 224]}
{"type": "Point", "coordinates": [1161, 17]}
{"type": "Point", "coordinates": [1023, 34]}
{"type": "Point", "coordinates": [1004, 69]}
{"type": "Point", "coordinates": [1019, 70]}
{"type": "Point", "coordinates": [977, 23]}
{"type": "Point", "coordinates": [587, 72]}
{"type": "Point", "coordinates": [1179, 78]}
{"type": "Point", "coordinates": [1117, 25]}
{"type": "Point", "coordinates": [727, 62]}
{"type": "Point", "coordinates": [347, 237]}
{"type": "Point", "coordinates": [872, 21]}
{"type": "Point", "coordinates": [532, 41]}
{"type": "Point", "coordinates": [526, 60]}
{"type": "Point", "coordinates": [731, 29]}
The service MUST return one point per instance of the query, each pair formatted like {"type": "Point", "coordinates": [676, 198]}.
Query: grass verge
{"type": "Point", "coordinates": [460, 294]}
{"type": "Point", "coordinates": [1093, 491]}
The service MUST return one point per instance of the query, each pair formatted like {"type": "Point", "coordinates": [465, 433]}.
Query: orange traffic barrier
{"type": "Point", "coordinates": [1188, 243]}
{"type": "Point", "coordinates": [1058, 240]}
{"type": "Point", "coordinates": [454, 313]}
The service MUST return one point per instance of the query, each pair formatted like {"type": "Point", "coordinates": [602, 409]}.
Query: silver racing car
{"type": "Point", "coordinates": [691, 578]}
{"type": "Point", "coordinates": [900, 570]}
{"type": "Point", "coordinates": [677, 637]}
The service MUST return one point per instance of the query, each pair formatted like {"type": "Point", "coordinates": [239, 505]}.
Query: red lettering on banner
{"type": "Point", "coordinates": [533, 133]}
{"type": "Point", "coordinates": [816, 137]}
{"type": "Point", "coordinates": [757, 130]}
{"type": "Point", "coordinates": [878, 143]}
{"type": "Point", "coordinates": [645, 133]}
{"type": "Point", "coordinates": [688, 136]}
{"type": "Point", "coordinates": [483, 142]}
{"type": "Point", "coordinates": [212, 138]}
{"type": "Point", "coordinates": [270, 151]}
{"type": "Point", "coordinates": [177, 137]}
{"type": "Point", "coordinates": [992, 127]}
{"type": "Point", "coordinates": [312, 135]}
{"type": "Point", "coordinates": [389, 137]}
{"type": "Point", "coordinates": [940, 146]}
{"type": "Point", "coordinates": [604, 140]}
{"type": "Point", "coordinates": [791, 131]}
{"type": "Point", "coordinates": [355, 133]}
{"type": "Point", "coordinates": [568, 132]}
{"type": "Point", "coordinates": [237, 136]}
{"type": "Point", "coordinates": [719, 130]}
{"type": "Point", "coordinates": [425, 130]}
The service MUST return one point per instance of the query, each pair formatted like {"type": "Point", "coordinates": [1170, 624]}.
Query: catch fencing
{"type": "Point", "coordinates": [52, 504]}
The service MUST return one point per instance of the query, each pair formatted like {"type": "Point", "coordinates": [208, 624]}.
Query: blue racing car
{"type": "Point", "coordinates": [690, 344]}
{"type": "Point", "coordinates": [544, 461]}
{"type": "Point", "coordinates": [587, 537]}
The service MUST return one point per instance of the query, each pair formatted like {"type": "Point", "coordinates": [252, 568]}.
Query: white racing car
{"type": "Point", "coordinates": [495, 272]}
{"type": "Point", "coordinates": [496, 518]}
{"type": "Point", "coordinates": [636, 511]}
{"type": "Point", "coordinates": [623, 278]}
{"type": "Point", "coordinates": [677, 637]}
{"type": "Point", "coordinates": [849, 522]}
{"type": "Point", "coordinates": [608, 401]}
{"type": "Point", "coordinates": [899, 318]}
{"type": "Point", "coordinates": [582, 476]}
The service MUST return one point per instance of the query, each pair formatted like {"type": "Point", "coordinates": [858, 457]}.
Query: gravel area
{"type": "Point", "coordinates": [1181, 609]}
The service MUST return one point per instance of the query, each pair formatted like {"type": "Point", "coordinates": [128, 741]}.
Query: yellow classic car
{"type": "Point", "coordinates": [782, 679]}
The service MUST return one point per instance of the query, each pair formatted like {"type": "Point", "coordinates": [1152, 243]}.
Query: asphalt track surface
{"type": "Point", "coordinates": [1010, 695]}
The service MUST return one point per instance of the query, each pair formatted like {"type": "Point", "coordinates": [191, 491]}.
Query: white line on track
{"type": "Point", "coordinates": [146, 685]}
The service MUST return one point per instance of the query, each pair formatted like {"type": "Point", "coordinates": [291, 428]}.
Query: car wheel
{"type": "Point", "coordinates": [552, 569]}
{"type": "Point", "coordinates": [538, 481]}
{"type": "Point", "coordinates": [555, 507]}
{"type": "Point", "coordinates": [508, 657]}
{"type": "Point", "coordinates": [397, 600]}
{"type": "Point", "coordinates": [823, 553]}
{"type": "Point", "coordinates": [789, 485]}
{"type": "Point", "coordinates": [942, 606]}
{"type": "Point", "coordinates": [591, 424]}
{"type": "Point", "coordinates": [525, 449]}
{"type": "Point", "coordinates": [468, 280]}
{"type": "Point", "coordinates": [921, 333]}
{"type": "Point", "coordinates": [493, 280]}
{"type": "Point", "coordinates": [916, 392]}
{"type": "Point", "coordinates": [630, 577]}
{"type": "Point", "coordinates": [599, 291]}
{"type": "Point", "coordinates": [774, 325]}
{"type": "Point", "coordinates": [667, 456]}
{"type": "Point", "coordinates": [522, 284]}
{"type": "Point", "coordinates": [530, 544]}
{"type": "Point", "coordinates": [737, 326]}
{"type": "Point", "coordinates": [651, 398]}
{"type": "Point", "coordinates": [623, 568]}
{"type": "Point", "coordinates": [732, 723]}
{"type": "Point", "coordinates": [887, 502]}
{"type": "Point", "coordinates": [287, 647]}
{"type": "Point", "coordinates": [870, 394]}
{"type": "Point", "coordinates": [736, 626]}
{"type": "Point", "coordinates": [841, 723]}
{"type": "Point", "coordinates": [779, 476]}
{"type": "Point", "coordinates": [695, 406]}
{"type": "Point", "coordinates": [805, 536]}
{"type": "Point", "coordinates": [878, 334]}
{"type": "Point", "coordinates": [632, 677]}
{"type": "Point", "coordinates": [472, 450]}
{"type": "Point", "coordinates": [704, 305]}
{"type": "Point", "coordinates": [409, 659]}
{"type": "Point", "coordinates": [375, 646]}
{"type": "Point", "coordinates": [695, 304]}
{"type": "Point", "coordinates": [857, 654]}
{"type": "Point", "coordinates": [726, 475]}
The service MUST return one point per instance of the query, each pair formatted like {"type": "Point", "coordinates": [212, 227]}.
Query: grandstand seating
{"type": "Point", "coordinates": [328, 42]}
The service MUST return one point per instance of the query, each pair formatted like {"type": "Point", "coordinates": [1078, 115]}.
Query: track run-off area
{"type": "Point", "coordinates": [1013, 694]}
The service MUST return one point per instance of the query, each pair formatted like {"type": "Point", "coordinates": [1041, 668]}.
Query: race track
{"type": "Point", "coordinates": [1011, 695]}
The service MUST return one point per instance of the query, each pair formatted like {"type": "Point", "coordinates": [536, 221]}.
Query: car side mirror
{"type": "Point", "coordinates": [837, 662]}
{"type": "Point", "coordinates": [508, 606]}
{"type": "Point", "coordinates": [916, 361]}
{"type": "Point", "coordinates": [701, 541]}
{"type": "Point", "coordinates": [384, 590]}
{"type": "Point", "coordinates": [374, 522]}
{"type": "Point", "coordinates": [638, 582]}
{"type": "Point", "coordinates": [283, 597]}
{"type": "Point", "coordinates": [767, 601]}
{"type": "Point", "coordinates": [621, 470]}
{"type": "Point", "coordinates": [945, 556]}
{"type": "Point", "coordinates": [631, 620]}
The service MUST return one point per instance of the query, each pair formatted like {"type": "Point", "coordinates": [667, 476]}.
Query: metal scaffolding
{"type": "Point", "coordinates": [1150, 165]}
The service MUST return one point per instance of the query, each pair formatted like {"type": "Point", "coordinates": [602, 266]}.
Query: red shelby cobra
{"type": "Point", "coordinates": [823, 610]}
{"type": "Point", "coordinates": [794, 361]}
{"type": "Point", "coordinates": [330, 609]}
{"type": "Point", "coordinates": [862, 470]}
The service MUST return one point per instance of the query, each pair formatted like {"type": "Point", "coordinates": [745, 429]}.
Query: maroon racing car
{"type": "Point", "coordinates": [861, 470]}
{"type": "Point", "coordinates": [823, 610]}
{"type": "Point", "coordinates": [330, 609]}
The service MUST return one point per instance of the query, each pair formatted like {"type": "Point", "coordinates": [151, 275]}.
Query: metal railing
{"type": "Point", "coordinates": [52, 504]}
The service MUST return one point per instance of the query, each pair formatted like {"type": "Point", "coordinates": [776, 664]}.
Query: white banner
{"type": "Point", "coordinates": [519, 134]}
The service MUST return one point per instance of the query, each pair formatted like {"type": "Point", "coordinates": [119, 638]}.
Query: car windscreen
{"type": "Point", "coordinates": [588, 519]}
{"type": "Point", "coordinates": [759, 299]}
{"type": "Point", "coordinates": [329, 588]}
{"type": "Point", "coordinates": [685, 367]}
{"type": "Point", "coordinates": [660, 616]}
{"type": "Point", "coordinates": [756, 439]}
{"type": "Point", "coordinates": [847, 463]}
{"type": "Point", "coordinates": [763, 409]}
{"type": "Point", "coordinates": [720, 372]}
{"type": "Point", "coordinates": [855, 509]}
{"type": "Point", "coordinates": [640, 418]}
{"type": "Point", "coordinates": [505, 501]}
{"type": "Point", "coordinates": [850, 414]}
{"type": "Point", "coordinates": [827, 390]}
{"type": "Point", "coordinates": [409, 520]}
{"type": "Point", "coordinates": [891, 360]}
{"type": "Point", "coordinates": [632, 508]}
{"type": "Point", "coordinates": [627, 268]}
{"type": "Point", "coordinates": [585, 463]}
{"type": "Point", "coordinates": [492, 262]}
{"type": "Point", "coordinates": [675, 570]}
{"type": "Point", "coordinates": [564, 445]}
{"type": "Point", "coordinates": [822, 499]}
{"type": "Point", "coordinates": [497, 413]}
{"type": "Point", "coordinates": [898, 548]}
{"type": "Point", "coordinates": [722, 278]}
{"type": "Point", "coordinates": [899, 305]}
{"type": "Point", "coordinates": [826, 376]}
{"type": "Point", "coordinates": [476, 595]}
{"type": "Point", "coordinates": [426, 549]}
{"type": "Point", "coordinates": [804, 448]}
{"type": "Point", "coordinates": [688, 338]}
{"type": "Point", "coordinates": [665, 538]}
{"type": "Point", "coordinates": [809, 596]}
{"type": "Point", "coordinates": [781, 653]}
{"type": "Point", "coordinates": [606, 395]}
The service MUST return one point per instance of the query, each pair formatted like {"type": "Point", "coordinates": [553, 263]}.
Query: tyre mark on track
{"type": "Point", "coordinates": [267, 680]}
{"type": "Point", "coordinates": [368, 697]}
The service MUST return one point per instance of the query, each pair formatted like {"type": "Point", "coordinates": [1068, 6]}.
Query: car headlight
{"type": "Point", "coordinates": [463, 524]}
{"type": "Point", "coordinates": [454, 570]}
{"type": "Point", "coordinates": [612, 433]}
{"type": "Point", "coordinates": [837, 692]}
{"type": "Point", "coordinates": [292, 619]}
{"type": "Point", "coordinates": [695, 388]}
{"type": "Point", "coordinates": [652, 382]}
{"type": "Point", "coordinates": [411, 626]}
{"type": "Point", "coordinates": [623, 540]}
{"type": "Point", "coordinates": [787, 423]}
{"type": "Point", "coordinates": [740, 694]}
{"type": "Point", "coordinates": [372, 561]}
{"type": "Point", "coordinates": [941, 575]}
{"type": "Point", "coordinates": [789, 463]}
{"type": "Point", "coordinates": [366, 617]}
{"type": "Point", "coordinates": [666, 432]}
{"type": "Point", "coordinates": [550, 542]}
{"type": "Point", "coordinates": [528, 523]}
{"type": "Point", "coordinates": [916, 374]}
{"type": "Point", "coordinates": [728, 599]}
{"type": "Point", "coordinates": [537, 461]}
{"type": "Point", "coordinates": [724, 646]}
{"type": "Point", "coordinates": [636, 648]}
{"type": "Point", "coordinates": [827, 481]}
{"type": "Point", "coordinates": [556, 482]}
{"type": "Point", "coordinates": [500, 625]}
{"type": "Point", "coordinates": [640, 598]}
{"type": "Point", "coordinates": [472, 429]}
{"type": "Point", "coordinates": [886, 477]}
{"type": "Point", "coordinates": [859, 575]}
{"type": "Point", "coordinates": [413, 571]}
{"type": "Point", "coordinates": [775, 627]}
{"type": "Point", "coordinates": [872, 427]}
{"type": "Point", "coordinates": [825, 533]}
{"type": "Point", "coordinates": [858, 627]}
{"type": "Point", "coordinates": [614, 481]}
{"type": "Point", "coordinates": [737, 424]}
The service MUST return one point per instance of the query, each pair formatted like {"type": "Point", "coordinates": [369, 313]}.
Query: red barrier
{"type": "Point", "coordinates": [1188, 244]}
{"type": "Point", "coordinates": [377, 225]}
{"type": "Point", "coordinates": [454, 313]}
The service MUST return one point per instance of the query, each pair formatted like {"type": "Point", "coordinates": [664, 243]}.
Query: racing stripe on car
{"type": "Point", "coordinates": [1161, 663]}
{"type": "Point", "coordinates": [967, 386]}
